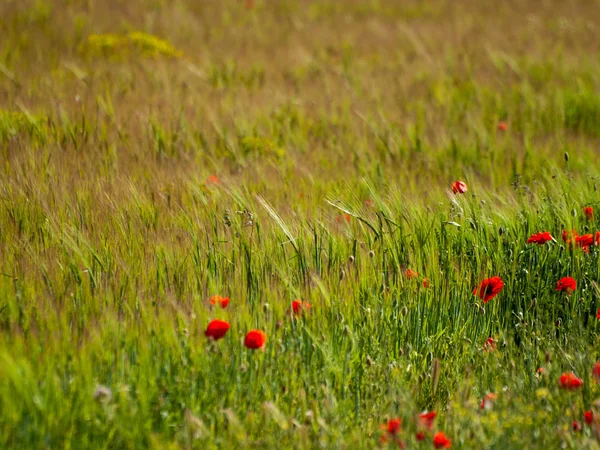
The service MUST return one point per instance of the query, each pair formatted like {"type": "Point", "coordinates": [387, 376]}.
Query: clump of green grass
{"type": "Point", "coordinates": [135, 42]}
{"type": "Point", "coordinates": [15, 124]}
{"type": "Point", "coordinates": [260, 147]}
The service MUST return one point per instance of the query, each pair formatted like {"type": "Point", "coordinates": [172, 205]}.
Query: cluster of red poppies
{"type": "Point", "coordinates": [486, 290]}
{"type": "Point", "coordinates": [571, 238]}
{"type": "Point", "coordinates": [393, 427]}
{"type": "Point", "coordinates": [490, 287]}
{"type": "Point", "coordinates": [571, 382]}
{"type": "Point", "coordinates": [584, 241]}
{"type": "Point", "coordinates": [217, 329]}
{"type": "Point", "coordinates": [255, 339]}
{"type": "Point", "coordinates": [412, 274]}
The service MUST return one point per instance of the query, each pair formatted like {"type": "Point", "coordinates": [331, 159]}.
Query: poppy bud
{"type": "Point", "coordinates": [342, 274]}
{"type": "Point", "coordinates": [566, 157]}
{"type": "Point", "coordinates": [371, 254]}
{"type": "Point", "coordinates": [351, 259]}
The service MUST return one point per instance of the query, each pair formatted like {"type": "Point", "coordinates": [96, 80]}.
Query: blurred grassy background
{"type": "Point", "coordinates": [317, 92]}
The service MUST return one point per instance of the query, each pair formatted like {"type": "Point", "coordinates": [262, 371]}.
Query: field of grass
{"type": "Point", "coordinates": [157, 153]}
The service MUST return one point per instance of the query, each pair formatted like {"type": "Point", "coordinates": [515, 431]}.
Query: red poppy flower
{"type": "Point", "coordinates": [597, 238]}
{"type": "Point", "coordinates": [369, 203]}
{"type": "Point", "coordinates": [569, 236]}
{"type": "Point", "coordinates": [216, 329]}
{"type": "Point", "coordinates": [426, 419]}
{"type": "Point", "coordinates": [540, 238]}
{"type": "Point", "coordinates": [588, 212]}
{"type": "Point", "coordinates": [213, 179]}
{"type": "Point", "coordinates": [298, 306]}
{"type": "Point", "coordinates": [411, 273]}
{"type": "Point", "coordinates": [576, 426]}
{"type": "Point", "coordinates": [588, 416]}
{"type": "Point", "coordinates": [489, 344]}
{"type": "Point", "coordinates": [255, 339]}
{"type": "Point", "coordinates": [218, 300]}
{"type": "Point", "coordinates": [459, 187]}
{"type": "Point", "coordinates": [441, 441]}
{"type": "Point", "coordinates": [392, 426]}
{"type": "Point", "coordinates": [343, 218]}
{"type": "Point", "coordinates": [420, 435]}
{"type": "Point", "coordinates": [596, 371]}
{"type": "Point", "coordinates": [584, 241]}
{"type": "Point", "coordinates": [540, 370]}
{"type": "Point", "coordinates": [566, 284]}
{"type": "Point", "coordinates": [569, 380]}
{"type": "Point", "coordinates": [426, 283]}
{"type": "Point", "coordinates": [488, 401]}
{"type": "Point", "coordinates": [489, 288]}
{"type": "Point", "coordinates": [502, 126]}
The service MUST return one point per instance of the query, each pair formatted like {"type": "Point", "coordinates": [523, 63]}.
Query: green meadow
{"type": "Point", "coordinates": [155, 154]}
